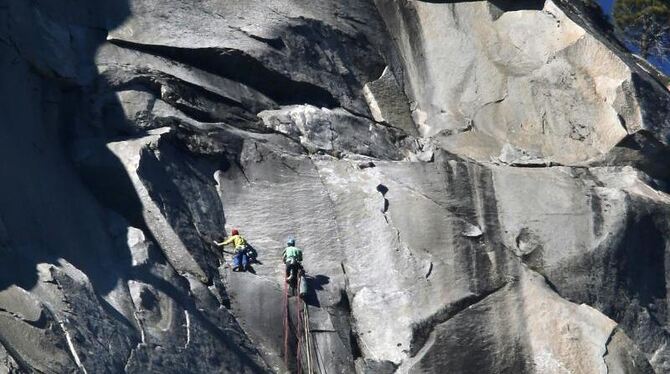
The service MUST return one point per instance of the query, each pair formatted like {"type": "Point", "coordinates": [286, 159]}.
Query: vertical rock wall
{"type": "Point", "coordinates": [478, 187]}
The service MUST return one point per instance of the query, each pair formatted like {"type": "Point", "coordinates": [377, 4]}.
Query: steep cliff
{"type": "Point", "coordinates": [479, 187]}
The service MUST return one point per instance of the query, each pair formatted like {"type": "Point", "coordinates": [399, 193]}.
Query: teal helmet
{"type": "Point", "coordinates": [290, 242]}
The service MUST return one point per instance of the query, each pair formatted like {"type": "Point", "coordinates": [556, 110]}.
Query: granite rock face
{"type": "Point", "coordinates": [478, 186]}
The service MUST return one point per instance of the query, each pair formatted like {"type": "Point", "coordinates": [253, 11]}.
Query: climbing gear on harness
{"type": "Point", "coordinates": [293, 270]}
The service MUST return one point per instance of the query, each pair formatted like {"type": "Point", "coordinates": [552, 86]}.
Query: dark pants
{"type": "Point", "coordinates": [293, 265]}
{"type": "Point", "coordinates": [241, 259]}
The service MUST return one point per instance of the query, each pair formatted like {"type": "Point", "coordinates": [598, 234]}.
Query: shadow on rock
{"type": "Point", "coordinates": [232, 342]}
{"type": "Point", "coordinates": [314, 284]}
{"type": "Point", "coordinates": [49, 214]}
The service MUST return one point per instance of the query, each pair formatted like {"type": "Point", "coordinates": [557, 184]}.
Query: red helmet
{"type": "Point", "coordinates": [234, 232]}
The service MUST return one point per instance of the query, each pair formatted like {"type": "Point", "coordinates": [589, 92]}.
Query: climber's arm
{"type": "Point", "coordinates": [225, 242]}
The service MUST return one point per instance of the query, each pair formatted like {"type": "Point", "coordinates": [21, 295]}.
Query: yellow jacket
{"type": "Point", "coordinates": [238, 241]}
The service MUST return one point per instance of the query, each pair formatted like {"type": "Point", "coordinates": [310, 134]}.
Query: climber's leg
{"type": "Point", "coordinates": [236, 261]}
{"type": "Point", "coordinates": [289, 268]}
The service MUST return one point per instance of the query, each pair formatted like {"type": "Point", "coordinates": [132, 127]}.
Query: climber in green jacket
{"type": "Point", "coordinates": [292, 257]}
{"type": "Point", "coordinates": [241, 259]}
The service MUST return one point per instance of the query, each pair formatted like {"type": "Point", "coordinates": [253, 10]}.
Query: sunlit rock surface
{"type": "Point", "coordinates": [478, 187]}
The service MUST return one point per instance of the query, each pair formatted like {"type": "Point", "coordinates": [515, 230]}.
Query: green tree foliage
{"type": "Point", "coordinates": [646, 24]}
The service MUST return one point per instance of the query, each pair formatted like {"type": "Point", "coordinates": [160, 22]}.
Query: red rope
{"type": "Point", "coordinates": [298, 327]}
{"type": "Point", "coordinates": [286, 326]}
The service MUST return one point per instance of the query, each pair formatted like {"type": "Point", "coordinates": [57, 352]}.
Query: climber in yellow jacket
{"type": "Point", "coordinates": [241, 259]}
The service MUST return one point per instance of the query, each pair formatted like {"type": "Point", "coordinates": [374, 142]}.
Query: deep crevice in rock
{"type": "Point", "coordinates": [194, 101]}
{"type": "Point", "coordinates": [423, 329]}
{"type": "Point", "coordinates": [276, 43]}
{"type": "Point", "coordinates": [607, 343]}
{"type": "Point", "coordinates": [644, 151]}
{"type": "Point", "coordinates": [243, 68]}
{"type": "Point", "coordinates": [40, 323]}
{"type": "Point", "coordinates": [513, 5]}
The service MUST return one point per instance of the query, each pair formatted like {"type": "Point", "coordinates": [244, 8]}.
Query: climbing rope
{"type": "Point", "coordinates": [320, 362]}
{"type": "Point", "coordinates": [302, 330]}
{"type": "Point", "coordinates": [298, 329]}
{"type": "Point", "coordinates": [286, 324]}
{"type": "Point", "coordinates": [308, 338]}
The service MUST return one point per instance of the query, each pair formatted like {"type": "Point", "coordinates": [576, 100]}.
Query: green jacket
{"type": "Point", "coordinates": [292, 252]}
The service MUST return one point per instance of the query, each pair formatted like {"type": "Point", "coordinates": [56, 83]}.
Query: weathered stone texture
{"type": "Point", "coordinates": [478, 186]}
